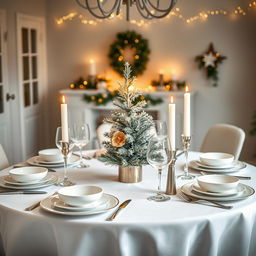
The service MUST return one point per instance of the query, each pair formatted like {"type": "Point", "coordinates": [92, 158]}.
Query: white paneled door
{"type": "Point", "coordinates": [5, 96]}
{"type": "Point", "coordinates": [32, 83]}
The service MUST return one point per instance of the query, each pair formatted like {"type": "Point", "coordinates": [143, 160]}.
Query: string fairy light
{"type": "Point", "coordinates": [176, 13]}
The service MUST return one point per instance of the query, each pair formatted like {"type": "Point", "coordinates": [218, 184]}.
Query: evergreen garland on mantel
{"type": "Point", "coordinates": [130, 132]}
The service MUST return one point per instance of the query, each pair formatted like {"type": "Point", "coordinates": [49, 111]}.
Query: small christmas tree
{"type": "Point", "coordinates": [131, 125]}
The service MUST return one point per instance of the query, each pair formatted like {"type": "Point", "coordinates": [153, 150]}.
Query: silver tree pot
{"type": "Point", "coordinates": [130, 174]}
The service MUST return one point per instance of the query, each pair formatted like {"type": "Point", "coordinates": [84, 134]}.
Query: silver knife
{"type": "Point", "coordinates": [121, 206]}
{"type": "Point", "coordinates": [21, 192]}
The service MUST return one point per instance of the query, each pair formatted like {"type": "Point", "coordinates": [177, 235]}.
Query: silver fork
{"type": "Point", "coordinates": [193, 200]}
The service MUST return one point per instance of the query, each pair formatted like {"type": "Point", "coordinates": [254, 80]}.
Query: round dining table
{"type": "Point", "coordinates": [144, 227]}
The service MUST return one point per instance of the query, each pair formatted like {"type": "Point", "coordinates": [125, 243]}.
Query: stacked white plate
{"type": "Point", "coordinates": [79, 200]}
{"type": "Point", "coordinates": [217, 188]}
{"type": "Point", "coordinates": [39, 161]}
{"type": "Point", "coordinates": [26, 178]}
{"type": "Point", "coordinates": [217, 163]}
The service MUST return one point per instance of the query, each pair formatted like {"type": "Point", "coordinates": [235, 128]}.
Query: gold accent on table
{"type": "Point", "coordinates": [130, 174]}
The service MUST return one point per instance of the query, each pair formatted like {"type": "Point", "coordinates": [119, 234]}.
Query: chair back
{"type": "Point", "coordinates": [101, 130]}
{"type": "Point", "coordinates": [224, 138]}
{"type": "Point", "coordinates": [4, 163]}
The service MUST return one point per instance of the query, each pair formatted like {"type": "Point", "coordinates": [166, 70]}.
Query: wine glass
{"type": "Point", "coordinates": [80, 136]}
{"type": "Point", "coordinates": [65, 148]}
{"type": "Point", "coordinates": [159, 128]}
{"type": "Point", "coordinates": [159, 156]}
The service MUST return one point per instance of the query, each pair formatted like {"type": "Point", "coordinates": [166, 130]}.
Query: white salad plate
{"type": "Point", "coordinates": [34, 161]}
{"type": "Point", "coordinates": [52, 180]}
{"type": "Point", "coordinates": [239, 166]}
{"type": "Point", "coordinates": [236, 191]}
{"type": "Point", "coordinates": [48, 205]}
{"type": "Point", "coordinates": [232, 165]}
{"type": "Point", "coordinates": [9, 180]}
{"type": "Point", "coordinates": [96, 204]}
{"type": "Point", "coordinates": [188, 189]}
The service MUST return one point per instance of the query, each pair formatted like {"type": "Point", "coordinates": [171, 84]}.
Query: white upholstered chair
{"type": "Point", "coordinates": [224, 138]}
{"type": "Point", "coordinates": [101, 130]}
{"type": "Point", "coordinates": [4, 163]}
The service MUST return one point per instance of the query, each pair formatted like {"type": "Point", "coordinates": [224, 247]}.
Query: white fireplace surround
{"type": "Point", "coordinates": [81, 111]}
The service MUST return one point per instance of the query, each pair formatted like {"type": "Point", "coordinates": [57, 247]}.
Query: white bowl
{"type": "Point", "coordinates": [50, 155]}
{"type": "Point", "coordinates": [218, 183]}
{"type": "Point", "coordinates": [79, 195]}
{"type": "Point", "coordinates": [216, 159]}
{"type": "Point", "coordinates": [28, 174]}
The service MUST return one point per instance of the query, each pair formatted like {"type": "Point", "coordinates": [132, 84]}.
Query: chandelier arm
{"type": "Point", "coordinates": [110, 11]}
{"type": "Point", "coordinates": [156, 8]}
{"type": "Point", "coordinates": [166, 11]}
{"type": "Point", "coordinates": [104, 13]}
{"type": "Point", "coordinates": [140, 8]}
{"type": "Point", "coordinates": [128, 3]}
{"type": "Point", "coordinates": [118, 8]}
{"type": "Point", "coordinates": [84, 6]}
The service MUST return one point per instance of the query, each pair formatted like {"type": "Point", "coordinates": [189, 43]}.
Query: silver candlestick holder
{"type": "Point", "coordinates": [186, 140]}
{"type": "Point", "coordinates": [171, 180]}
{"type": "Point", "coordinates": [65, 150]}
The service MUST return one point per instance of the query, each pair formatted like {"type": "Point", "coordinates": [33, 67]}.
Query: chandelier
{"type": "Point", "coordinates": [148, 9]}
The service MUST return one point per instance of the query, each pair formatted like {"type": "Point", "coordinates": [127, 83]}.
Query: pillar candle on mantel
{"type": "Point", "coordinates": [171, 125]}
{"type": "Point", "coordinates": [64, 119]}
{"type": "Point", "coordinates": [92, 68]}
{"type": "Point", "coordinates": [186, 127]}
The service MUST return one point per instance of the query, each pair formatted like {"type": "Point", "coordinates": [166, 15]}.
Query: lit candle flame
{"type": "Point", "coordinates": [171, 99]}
{"type": "Point", "coordinates": [63, 100]}
{"type": "Point", "coordinates": [91, 60]}
{"type": "Point", "coordinates": [186, 88]}
{"type": "Point", "coordinates": [161, 72]}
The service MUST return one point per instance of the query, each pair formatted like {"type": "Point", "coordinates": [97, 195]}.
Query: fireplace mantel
{"type": "Point", "coordinates": [81, 111]}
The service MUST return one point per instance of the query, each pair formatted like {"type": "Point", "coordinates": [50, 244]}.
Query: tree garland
{"type": "Point", "coordinates": [136, 42]}
{"type": "Point", "coordinates": [106, 97]}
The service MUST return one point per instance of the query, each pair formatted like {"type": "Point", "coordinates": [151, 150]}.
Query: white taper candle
{"type": "Point", "coordinates": [64, 120]}
{"type": "Point", "coordinates": [171, 126]}
{"type": "Point", "coordinates": [186, 125]}
{"type": "Point", "coordinates": [92, 68]}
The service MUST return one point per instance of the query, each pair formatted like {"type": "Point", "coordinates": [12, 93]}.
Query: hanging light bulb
{"type": "Point", "coordinates": [148, 9]}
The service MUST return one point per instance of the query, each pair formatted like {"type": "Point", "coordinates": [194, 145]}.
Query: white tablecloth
{"type": "Point", "coordinates": [143, 228]}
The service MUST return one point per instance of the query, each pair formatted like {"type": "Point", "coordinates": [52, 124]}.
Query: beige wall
{"type": "Point", "coordinates": [173, 44]}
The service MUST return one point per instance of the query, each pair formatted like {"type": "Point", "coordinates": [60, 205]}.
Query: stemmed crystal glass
{"type": "Point", "coordinates": [159, 156]}
{"type": "Point", "coordinates": [80, 136]}
{"type": "Point", "coordinates": [66, 149]}
{"type": "Point", "coordinates": [160, 128]}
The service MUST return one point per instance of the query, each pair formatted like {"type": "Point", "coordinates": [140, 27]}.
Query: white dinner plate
{"type": "Point", "coordinates": [232, 165]}
{"type": "Point", "coordinates": [235, 191]}
{"type": "Point", "coordinates": [111, 202]}
{"type": "Point", "coordinates": [71, 161]}
{"type": "Point", "coordinates": [97, 204]}
{"type": "Point", "coordinates": [247, 191]}
{"type": "Point", "coordinates": [239, 166]}
{"type": "Point", "coordinates": [41, 161]}
{"type": "Point", "coordinates": [9, 180]}
{"type": "Point", "coordinates": [52, 180]}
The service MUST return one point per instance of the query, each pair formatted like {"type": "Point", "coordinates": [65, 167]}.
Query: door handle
{"type": "Point", "coordinates": [10, 96]}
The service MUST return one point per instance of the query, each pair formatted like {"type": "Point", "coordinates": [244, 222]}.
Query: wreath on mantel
{"type": "Point", "coordinates": [132, 47]}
